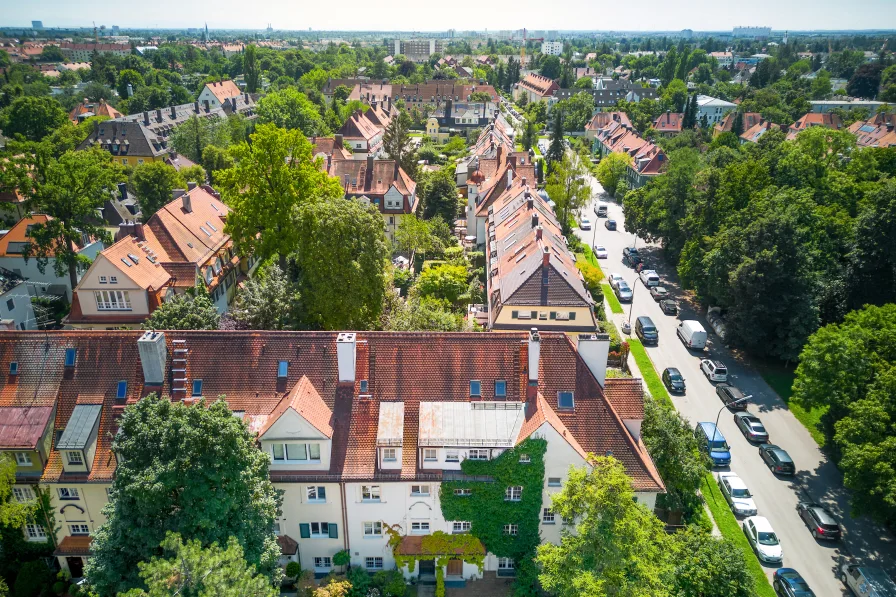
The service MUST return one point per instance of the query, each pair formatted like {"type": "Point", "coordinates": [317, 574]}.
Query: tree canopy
{"type": "Point", "coordinates": [290, 109]}
{"type": "Point", "coordinates": [193, 311]}
{"type": "Point", "coordinates": [153, 183]}
{"type": "Point", "coordinates": [438, 193]}
{"type": "Point", "coordinates": [32, 117]}
{"type": "Point", "coordinates": [568, 188]}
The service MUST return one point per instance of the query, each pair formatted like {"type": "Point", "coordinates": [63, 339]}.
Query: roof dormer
{"type": "Point", "coordinates": [299, 431]}
{"type": "Point", "coordinates": [77, 445]}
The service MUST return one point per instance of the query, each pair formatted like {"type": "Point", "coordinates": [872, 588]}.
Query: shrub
{"type": "Point", "coordinates": [293, 570]}
{"type": "Point", "coordinates": [32, 579]}
{"type": "Point", "coordinates": [342, 558]}
{"type": "Point", "coordinates": [592, 275]}
{"type": "Point", "coordinates": [59, 587]}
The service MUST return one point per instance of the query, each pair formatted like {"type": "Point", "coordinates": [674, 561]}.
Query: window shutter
{"type": "Point", "coordinates": [305, 530]}
{"type": "Point", "coordinates": [514, 314]}
{"type": "Point", "coordinates": [553, 315]}
{"type": "Point", "coordinates": [334, 532]}
{"type": "Point", "coordinates": [572, 315]}
{"type": "Point", "coordinates": [534, 314]}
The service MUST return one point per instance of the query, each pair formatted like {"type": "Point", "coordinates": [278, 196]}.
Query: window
{"type": "Point", "coordinates": [112, 300]}
{"type": "Point", "coordinates": [564, 400]}
{"type": "Point", "coordinates": [103, 280]}
{"type": "Point", "coordinates": [463, 492]}
{"type": "Point", "coordinates": [513, 493]}
{"type": "Point", "coordinates": [478, 455]}
{"type": "Point", "coordinates": [23, 458]}
{"type": "Point", "coordinates": [14, 368]}
{"type": "Point", "coordinates": [282, 368]}
{"type": "Point", "coordinates": [389, 455]}
{"type": "Point", "coordinates": [324, 563]}
{"type": "Point", "coordinates": [460, 527]}
{"type": "Point", "coordinates": [500, 389]}
{"type": "Point", "coordinates": [197, 387]}
{"type": "Point", "coordinates": [22, 494]}
{"type": "Point", "coordinates": [78, 529]}
{"type": "Point", "coordinates": [320, 529]}
{"type": "Point", "coordinates": [68, 493]}
{"type": "Point", "coordinates": [511, 529]}
{"type": "Point", "coordinates": [295, 452]}
{"type": "Point", "coordinates": [505, 564]}
{"type": "Point", "coordinates": [124, 161]}
{"type": "Point", "coordinates": [35, 532]}
{"type": "Point", "coordinates": [452, 456]}
{"type": "Point", "coordinates": [374, 563]}
{"type": "Point", "coordinates": [430, 455]}
{"type": "Point", "coordinates": [524, 459]}
{"type": "Point", "coordinates": [113, 279]}
{"type": "Point", "coordinates": [317, 494]}
{"type": "Point", "coordinates": [373, 529]}
{"type": "Point", "coordinates": [75, 457]}
{"type": "Point", "coordinates": [421, 528]}
{"type": "Point", "coordinates": [370, 493]}
{"type": "Point", "coordinates": [364, 386]}
{"type": "Point", "coordinates": [70, 355]}
{"type": "Point", "coordinates": [547, 516]}
{"type": "Point", "coordinates": [276, 528]}
{"type": "Point", "coordinates": [419, 489]}
{"type": "Point", "coordinates": [553, 481]}
{"type": "Point", "coordinates": [475, 388]}
{"type": "Point", "coordinates": [122, 391]}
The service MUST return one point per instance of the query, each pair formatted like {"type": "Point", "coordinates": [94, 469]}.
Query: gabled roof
{"type": "Point", "coordinates": [359, 127]}
{"type": "Point", "coordinates": [538, 84]}
{"type": "Point", "coordinates": [18, 235]}
{"type": "Point", "coordinates": [142, 271]}
{"type": "Point", "coordinates": [669, 122]}
{"type": "Point", "coordinates": [307, 403]}
{"type": "Point", "coordinates": [543, 413]}
{"type": "Point", "coordinates": [223, 89]}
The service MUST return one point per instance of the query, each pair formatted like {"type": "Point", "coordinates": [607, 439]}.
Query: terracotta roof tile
{"type": "Point", "coordinates": [223, 89]}
{"type": "Point", "coordinates": [305, 401]}
{"type": "Point", "coordinates": [74, 545]}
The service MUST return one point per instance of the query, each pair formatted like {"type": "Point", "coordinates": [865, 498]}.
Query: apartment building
{"type": "Point", "coordinates": [712, 109]}
{"type": "Point", "coordinates": [648, 159]}
{"type": "Point", "coordinates": [356, 441]}
{"type": "Point", "coordinates": [418, 50]}
{"type": "Point", "coordinates": [535, 88]}
{"type": "Point", "coordinates": [552, 48]}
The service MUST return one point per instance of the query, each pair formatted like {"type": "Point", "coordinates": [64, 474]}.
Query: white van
{"type": "Point", "coordinates": [867, 582]}
{"type": "Point", "coordinates": [692, 334]}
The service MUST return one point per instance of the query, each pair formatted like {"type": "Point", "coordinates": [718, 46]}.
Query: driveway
{"type": "Point", "coordinates": [817, 478]}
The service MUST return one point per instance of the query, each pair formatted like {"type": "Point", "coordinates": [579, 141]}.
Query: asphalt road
{"type": "Point", "coordinates": [817, 478]}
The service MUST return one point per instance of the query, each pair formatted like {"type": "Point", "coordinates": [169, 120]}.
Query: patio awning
{"type": "Point", "coordinates": [74, 546]}
{"type": "Point", "coordinates": [415, 545]}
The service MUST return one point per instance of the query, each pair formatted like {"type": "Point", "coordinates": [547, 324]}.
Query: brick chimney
{"type": "Point", "coordinates": [196, 106]}
{"type": "Point", "coordinates": [146, 118]}
{"type": "Point", "coordinates": [337, 141]}
{"type": "Point", "coordinates": [139, 232]}
{"type": "Point", "coordinates": [546, 256]}
{"type": "Point", "coordinates": [173, 112]}
{"type": "Point", "coordinates": [538, 229]}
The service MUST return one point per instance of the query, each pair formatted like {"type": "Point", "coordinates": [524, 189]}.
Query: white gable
{"type": "Point", "coordinates": [292, 426]}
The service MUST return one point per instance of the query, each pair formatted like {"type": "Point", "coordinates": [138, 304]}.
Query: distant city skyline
{"type": "Point", "coordinates": [393, 15]}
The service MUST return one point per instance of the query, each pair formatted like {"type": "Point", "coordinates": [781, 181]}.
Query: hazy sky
{"type": "Point", "coordinates": [440, 15]}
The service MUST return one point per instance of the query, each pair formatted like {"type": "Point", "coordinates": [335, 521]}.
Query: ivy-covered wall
{"type": "Point", "coordinates": [488, 511]}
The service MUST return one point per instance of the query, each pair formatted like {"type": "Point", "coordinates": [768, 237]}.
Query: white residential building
{"type": "Point", "coordinates": [552, 48]}
{"type": "Point", "coordinates": [713, 109]}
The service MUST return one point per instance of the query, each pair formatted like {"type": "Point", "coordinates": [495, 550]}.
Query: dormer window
{"type": "Point", "coordinates": [197, 387]}
{"type": "Point", "coordinates": [282, 368]}
{"type": "Point", "coordinates": [122, 391]}
{"type": "Point", "coordinates": [500, 389]}
{"type": "Point", "coordinates": [565, 400]}
{"type": "Point", "coordinates": [75, 458]}
{"type": "Point", "coordinates": [14, 368]}
{"type": "Point", "coordinates": [70, 355]}
{"type": "Point", "coordinates": [475, 387]}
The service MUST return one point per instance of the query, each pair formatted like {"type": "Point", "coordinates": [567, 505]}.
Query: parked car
{"type": "Point", "coordinates": [600, 252]}
{"type": "Point", "coordinates": [669, 306]}
{"type": "Point", "coordinates": [623, 292]}
{"type": "Point", "coordinates": [751, 427]}
{"type": "Point", "coordinates": [649, 277]}
{"type": "Point", "coordinates": [787, 582]}
{"type": "Point", "coordinates": [730, 395]}
{"type": "Point", "coordinates": [600, 210]}
{"type": "Point", "coordinates": [673, 380]}
{"type": "Point", "coordinates": [763, 540]}
{"type": "Point", "coordinates": [819, 520]}
{"type": "Point", "coordinates": [585, 224]}
{"type": "Point", "coordinates": [630, 257]}
{"type": "Point", "coordinates": [614, 279]}
{"type": "Point", "coordinates": [867, 582]}
{"type": "Point", "coordinates": [739, 498]}
{"type": "Point", "coordinates": [610, 224]}
{"type": "Point", "coordinates": [692, 334]}
{"type": "Point", "coordinates": [659, 293]}
{"type": "Point", "coordinates": [646, 331]}
{"type": "Point", "coordinates": [714, 370]}
{"type": "Point", "coordinates": [777, 459]}
{"type": "Point", "coordinates": [711, 441]}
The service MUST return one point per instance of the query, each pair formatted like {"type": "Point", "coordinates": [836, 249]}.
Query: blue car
{"type": "Point", "coordinates": [713, 443]}
{"type": "Point", "coordinates": [788, 583]}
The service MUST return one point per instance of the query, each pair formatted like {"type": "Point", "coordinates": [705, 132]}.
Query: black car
{"type": "Point", "coordinates": [819, 520]}
{"type": "Point", "coordinates": [669, 306]}
{"type": "Point", "coordinates": [610, 224]}
{"type": "Point", "coordinates": [777, 459]}
{"type": "Point", "coordinates": [730, 395]}
{"type": "Point", "coordinates": [673, 380]}
{"type": "Point", "coordinates": [789, 583]}
{"type": "Point", "coordinates": [630, 257]}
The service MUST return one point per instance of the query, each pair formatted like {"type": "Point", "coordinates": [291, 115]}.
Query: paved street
{"type": "Point", "coordinates": [776, 498]}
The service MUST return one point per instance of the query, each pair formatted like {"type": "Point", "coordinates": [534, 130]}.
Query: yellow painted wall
{"type": "Point", "coordinates": [584, 320]}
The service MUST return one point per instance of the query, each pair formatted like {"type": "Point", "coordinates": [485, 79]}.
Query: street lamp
{"type": "Point", "coordinates": [739, 400]}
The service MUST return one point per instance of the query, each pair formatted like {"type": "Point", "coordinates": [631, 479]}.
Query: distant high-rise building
{"type": "Point", "coordinates": [37, 24]}
{"type": "Point", "coordinates": [451, 33]}
{"type": "Point", "coordinates": [552, 48]}
{"type": "Point", "coordinates": [752, 32]}
{"type": "Point", "coordinates": [115, 29]}
{"type": "Point", "coordinates": [418, 50]}
{"type": "Point", "coordinates": [687, 33]}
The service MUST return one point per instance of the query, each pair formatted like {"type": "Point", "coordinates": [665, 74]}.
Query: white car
{"type": "Point", "coordinates": [614, 279]}
{"type": "Point", "coordinates": [714, 370]}
{"type": "Point", "coordinates": [650, 278]}
{"type": "Point", "coordinates": [763, 540]}
{"type": "Point", "coordinates": [736, 494]}
{"type": "Point", "coordinates": [600, 252]}
{"type": "Point", "coordinates": [585, 224]}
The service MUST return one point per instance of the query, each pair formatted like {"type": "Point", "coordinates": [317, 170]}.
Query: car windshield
{"type": "Point", "coordinates": [768, 539]}
{"type": "Point", "coordinates": [757, 427]}
{"type": "Point", "coordinates": [719, 445]}
{"type": "Point", "coordinates": [741, 493]}
{"type": "Point", "coordinates": [649, 330]}
{"type": "Point", "coordinates": [600, 248]}
{"type": "Point", "coordinates": [674, 376]}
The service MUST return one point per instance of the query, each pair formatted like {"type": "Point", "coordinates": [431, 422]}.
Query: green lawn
{"type": "Point", "coordinates": [649, 374]}
{"type": "Point", "coordinates": [780, 378]}
{"type": "Point", "coordinates": [730, 528]}
{"type": "Point", "coordinates": [615, 307]}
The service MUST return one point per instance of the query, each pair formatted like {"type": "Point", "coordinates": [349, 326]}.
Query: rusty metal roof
{"type": "Point", "coordinates": [23, 426]}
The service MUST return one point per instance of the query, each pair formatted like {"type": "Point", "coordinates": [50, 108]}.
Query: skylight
{"type": "Point", "coordinates": [197, 387]}
{"type": "Point", "coordinates": [134, 258]}
{"type": "Point", "coordinates": [13, 368]}
{"type": "Point", "coordinates": [122, 391]}
{"type": "Point", "coordinates": [70, 354]}
{"type": "Point", "coordinates": [207, 223]}
{"type": "Point", "coordinates": [282, 368]}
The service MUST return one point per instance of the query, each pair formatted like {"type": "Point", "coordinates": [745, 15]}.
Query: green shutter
{"type": "Point", "coordinates": [534, 314]}
{"type": "Point", "coordinates": [572, 315]}
{"type": "Point", "coordinates": [553, 315]}
{"type": "Point", "coordinates": [305, 530]}
{"type": "Point", "coordinates": [334, 532]}
{"type": "Point", "coordinates": [514, 314]}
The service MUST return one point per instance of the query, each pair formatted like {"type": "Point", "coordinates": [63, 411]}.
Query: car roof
{"type": "Point", "coordinates": [794, 580]}
{"type": "Point", "coordinates": [673, 370]}
{"type": "Point", "coordinates": [735, 482]}
{"type": "Point", "coordinates": [823, 515]}
{"type": "Point", "coordinates": [782, 455]}
{"type": "Point", "coordinates": [718, 364]}
{"type": "Point", "coordinates": [762, 524]}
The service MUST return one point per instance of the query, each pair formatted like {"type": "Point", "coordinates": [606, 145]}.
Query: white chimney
{"type": "Point", "coordinates": [153, 357]}
{"type": "Point", "coordinates": [345, 356]}
{"type": "Point", "coordinates": [534, 354]}
{"type": "Point", "coordinates": [509, 177]}
{"type": "Point", "coordinates": [594, 349]}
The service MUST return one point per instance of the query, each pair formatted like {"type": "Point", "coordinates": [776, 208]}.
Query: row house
{"type": "Point", "coordinates": [181, 245]}
{"type": "Point", "coordinates": [877, 131]}
{"type": "Point", "coordinates": [535, 88]}
{"type": "Point", "coordinates": [726, 124]}
{"type": "Point", "coordinates": [668, 124]}
{"type": "Point", "coordinates": [828, 120]}
{"type": "Point", "coordinates": [607, 92]}
{"type": "Point", "coordinates": [648, 159]}
{"type": "Point", "coordinates": [497, 135]}
{"type": "Point", "coordinates": [602, 119]}
{"type": "Point", "coordinates": [362, 135]}
{"type": "Point", "coordinates": [355, 443]}
{"type": "Point", "coordinates": [437, 93]}
{"type": "Point", "coordinates": [217, 93]}
{"type": "Point", "coordinates": [493, 172]}
{"type": "Point", "coordinates": [459, 117]}
{"type": "Point", "coordinates": [755, 132]}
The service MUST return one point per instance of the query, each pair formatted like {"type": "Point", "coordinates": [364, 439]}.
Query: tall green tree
{"type": "Point", "coordinates": [568, 188]}
{"type": "Point", "coordinates": [269, 301]}
{"type": "Point", "coordinates": [32, 117]}
{"type": "Point", "coordinates": [129, 77]}
{"type": "Point", "coordinates": [273, 176]}
{"type": "Point", "coordinates": [192, 137]}
{"type": "Point", "coordinates": [618, 547]}
{"type": "Point", "coordinates": [556, 149]}
{"type": "Point", "coordinates": [213, 159]}
{"type": "Point", "coordinates": [13, 514]}
{"type": "Point", "coordinates": [613, 169]}
{"type": "Point", "coordinates": [447, 282]}
{"type": "Point", "coordinates": [70, 190]}
{"type": "Point", "coordinates": [190, 469]}
{"type": "Point", "coordinates": [251, 70]}
{"type": "Point", "coordinates": [530, 136]}
{"type": "Point", "coordinates": [438, 193]}
{"type": "Point", "coordinates": [291, 109]}
{"type": "Point", "coordinates": [191, 570]}
{"type": "Point", "coordinates": [397, 142]}
{"type": "Point", "coordinates": [184, 312]}
{"type": "Point", "coordinates": [708, 566]}
{"type": "Point", "coordinates": [153, 183]}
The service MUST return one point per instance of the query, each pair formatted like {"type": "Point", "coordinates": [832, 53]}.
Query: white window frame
{"type": "Point", "coordinates": [371, 493]}
{"type": "Point", "coordinates": [390, 455]}
{"type": "Point", "coordinates": [477, 454]}
{"type": "Point", "coordinates": [511, 529]}
{"type": "Point", "coordinates": [373, 563]}
{"type": "Point", "coordinates": [463, 492]}
{"type": "Point", "coordinates": [323, 530]}
{"type": "Point", "coordinates": [74, 457]}
{"type": "Point", "coordinates": [68, 493]}
{"type": "Point", "coordinates": [506, 564]}
{"type": "Point", "coordinates": [420, 490]}
{"type": "Point", "coordinates": [430, 455]}
{"type": "Point", "coordinates": [514, 493]}
{"type": "Point", "coordinates": [104, 280]}
{"type": "Point", "coordinates": [555, 481]}
{"type": "Point", "coordinates": [452, 456]}
{"type": "Point", "coordinates": [323, 562]}
{"type": "Point", "coordinates": [459, 527]}
{"type": "Point", "coordinates": [284, 451]}
{"type": "Point", "coordinates": [525, 459]}
{"type": "Point", "coordinates": [23, 459]}
{"type": "Point", "coordinates": [112, 300]}
{"type": "Point", "coordinates": [22, 494]}
{"type": "Point", "coordinates": [77, 529]}
{"type": "Point", "coordinates": [548, 516]}
{"type": "Point", "coordinates": [113, 279]}
{"type": "Point", "coordinates": [504, 393]}
{"type": "Point", "coordinates": [35, 532]}
{"type": "Point", "coordinates": [373, 529]}
{"type": "Point", "coordinates": [313, 493]}
{"type": "Point", "coordinates": [420, 528]}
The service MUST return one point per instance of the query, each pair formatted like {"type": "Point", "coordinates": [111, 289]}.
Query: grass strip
{"type": "Point", "coordinates": [731, 529]}
{"type": "Point", "coordinates": [615, 305]}
{"type": "Point", "coordinates": [648, 373]}
{"type": "Point", "coordinates": [780, 378]}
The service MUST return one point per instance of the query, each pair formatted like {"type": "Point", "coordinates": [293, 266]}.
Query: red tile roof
{"type": "Point", "coordinates": [74, 545]}
{"type": "Point", "coordinates": [305, 401]}
{"type": "Point", "coordinates": [223, 90]}
{"type": "Point", "coordinates": [542, 86]}
{"type": "Point", "coordinates": [668, 122]}
{"type": "Point", "coordinates": [827, 120]}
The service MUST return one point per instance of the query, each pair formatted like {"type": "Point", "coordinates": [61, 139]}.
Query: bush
{"type": "Point", "coordinates": [293, 570]}
{"type": "Point", "coordinates": [360, 581]}
{"type": "Point", "coordinates": [342, 558]}
{"type": "Point", "coordinates": [33, 577]}
{"type": "Point", "coordinates": [59, 587]}
{"type": "Point", "coordinates": [391, 583]}
{"type": "Point", "coordinates": [592, 275]}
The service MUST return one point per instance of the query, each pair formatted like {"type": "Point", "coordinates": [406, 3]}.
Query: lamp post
{"type": "Point", "coordinates": [745, 398]}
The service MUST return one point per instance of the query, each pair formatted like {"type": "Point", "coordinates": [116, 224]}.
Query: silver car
{"type": "Point", "coordinates": [623, 292]}
{"type": "Point", "coordinates": [751, 427]}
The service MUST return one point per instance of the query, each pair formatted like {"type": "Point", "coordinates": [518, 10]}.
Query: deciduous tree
{"type": "Point", "coordinates": [439, 195]}
{"type": "Point", "coordinates": [32, 117]}
{"type": "Point", "coordinates": [291, 109]}
{"type": "Point", "coordinates": [612, 170]}
{"type": "Point", "coordinates": [185, 312]}
{"type": "Point", "coordinates": [153, 183]}
{"type": "Point", "coordinates": [267, 302]}
{"type": "Point", "coordinates": [446, 282]}
{"type": "Point", "coordinates": [568, 188]}
{"type": "Point", "coordinates": [251, 71]}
